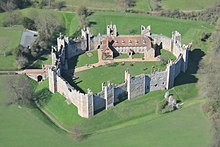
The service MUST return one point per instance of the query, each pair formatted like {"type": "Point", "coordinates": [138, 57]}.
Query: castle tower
{"type": "Point", "coordinates": [176, 39]}
{"type": "Point", "coordinates": [129, 86]}
{"type": "Point", "coordinates": [86, 106]}
{"type": "Point", "coordinates": [86, 36]}
{"type": "Point", "coordinates": [52, 80]}
{"type": "Point", "coordinates": [109, 95]}
{"type": "Point", "coordinates": [185, 53]}
{"type": "Point", "coordinates": [126, 75]}
{"type": "Point", "coordinates": [112, 30]}
{"type": "Point", "coordinates": [53, 56]}
{"type": "Point", "coordinates": [62, 41]}
{"type": "Point", "coordinates": [170, 75]}
{"type": "Point", "coordinates": [145, 31]}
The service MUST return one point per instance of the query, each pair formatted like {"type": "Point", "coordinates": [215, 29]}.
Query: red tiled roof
{"type": "Point", "coordinates": [129, 41]}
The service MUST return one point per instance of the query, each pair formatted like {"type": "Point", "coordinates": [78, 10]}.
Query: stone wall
{"type": "Point", "coordinates": [99, 101]}
{"type": "Point", "coordinates": [120, 93]}
{"type": "Point", "coordinates": [156, 81]}
{"type": "Point", "coordinates": [84, 102]}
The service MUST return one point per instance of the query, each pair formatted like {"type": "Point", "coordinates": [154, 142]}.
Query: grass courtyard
{"type": "Point", "coordinates": [83, 59]}
{"type": "Point", "coordinates": [114, 72]}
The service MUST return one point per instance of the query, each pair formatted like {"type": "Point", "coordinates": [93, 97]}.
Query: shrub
{"type": "Point", "coordinates": [28, 23]}
{"type": "Point", "coordinates": [161, 105]}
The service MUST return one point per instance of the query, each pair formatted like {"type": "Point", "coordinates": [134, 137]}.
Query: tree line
{"type": "Point", "coordinates": [210, 15]}
{"type": "Point", "coordinates": [209, 86]}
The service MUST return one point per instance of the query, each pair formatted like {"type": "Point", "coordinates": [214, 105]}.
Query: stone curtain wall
{"type": "Point", "coordinates": [156, 81]}
{"type": "Point", "coordinates": [120, 92]}
{"type": "Point", "coordinates": [84, 102]}
{"type": "Point", "coordinates": [136, 86]}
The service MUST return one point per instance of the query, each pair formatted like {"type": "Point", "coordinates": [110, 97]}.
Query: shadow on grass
{"type": "Point", "coordinates": [70, 80]}
{"type": "Point", "coordinates": [195, 56]}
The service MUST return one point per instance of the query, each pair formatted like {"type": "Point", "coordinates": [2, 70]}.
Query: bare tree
{"type": "Point", "coordinates": [124, 4]}
{"type": "Point", "coordinates": [12, 18]}
{"type": "Point", "coordinates": [83, 13]}
{"type": "Point", "coordinates": [47, 25]}
{"type": "Point", "coordinates": [21, 90]}
{"type": "Point", "coordinates": [7, 6]}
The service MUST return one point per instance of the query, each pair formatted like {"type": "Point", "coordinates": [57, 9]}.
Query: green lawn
{"type": "Point", "coordinates": [71, 23]}
{"type": "Point", "coordinates": [82, 60]}
{"type": "Point", "coordinates": [7, 63]}
{"type": "Point", "coordinates": [167, 55]}
{"type": "Point", "coordinates": [187, 127]}
{"type": "Point", "coordinates": [10, 38]}
{"type": "Point", "coordinates": [140, 55]}
{"type": "Point", "coordinates": [122, 56]}
{"type": "Point", "coordinates": [188, 4]}
{"type": "Point", "coordinates": [93, 78]}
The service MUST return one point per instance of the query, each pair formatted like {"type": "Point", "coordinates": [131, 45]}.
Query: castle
{"type": "Point", "coordinates": [111, 44]}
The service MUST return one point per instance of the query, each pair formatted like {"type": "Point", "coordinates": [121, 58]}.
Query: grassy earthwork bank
{"type": "Point", "coordinates": [26, 126]}
{"type": "Point", "coordinates": [137, 121]}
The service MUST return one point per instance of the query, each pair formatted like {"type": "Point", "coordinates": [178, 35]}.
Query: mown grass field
{"type": "Point", "coordinates": [141, 5]}
{"type": "Point", "coordinates": [9, 39]}
{"type": "Point", "coordinates": [188, 4]}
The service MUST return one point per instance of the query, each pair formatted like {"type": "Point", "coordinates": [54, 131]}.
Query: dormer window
{"type": "Point", "coordinates": [144, 42]}
{"type": "Point", "coordinates": [116, 41]}
{"type": "Point", "coordinates": [130, 41]}
{"type": "Point", "coordinates": [136, 41]}
{"type": "Point", "coordinates": [123, 41]}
